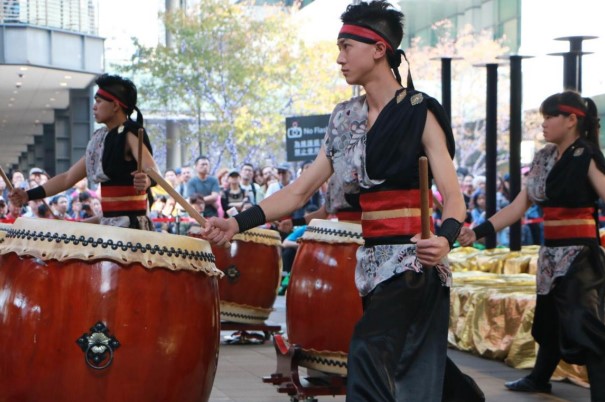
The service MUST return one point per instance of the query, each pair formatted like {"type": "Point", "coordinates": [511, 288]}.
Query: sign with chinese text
{"type": "Point", "coordinates": [304, 136]}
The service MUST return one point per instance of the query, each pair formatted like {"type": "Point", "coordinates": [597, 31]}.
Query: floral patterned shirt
{"type": "Point", "coordinates": [345, 146]}
{"type": "Point", "coordinates": [553, 262]}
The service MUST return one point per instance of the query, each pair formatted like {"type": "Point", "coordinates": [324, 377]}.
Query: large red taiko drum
{"type": "Point", "coordinates": [99, 313]}
{"type": "Point", "coordinates": [252, 266]}
{"type": "Point", "coordinates": [322, 301]}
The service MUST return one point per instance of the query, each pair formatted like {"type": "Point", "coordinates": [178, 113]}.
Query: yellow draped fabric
{"type": "Point", "coordinates": [492, 307]}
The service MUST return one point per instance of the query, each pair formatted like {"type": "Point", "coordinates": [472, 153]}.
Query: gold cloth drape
{"type": "Point", "coordinates": [492, 307]}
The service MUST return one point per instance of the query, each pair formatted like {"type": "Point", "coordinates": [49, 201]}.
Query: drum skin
{"type": "Point", "coordinates": [322, 302]}
{"type": "Point", "coordinates": [166, 322]}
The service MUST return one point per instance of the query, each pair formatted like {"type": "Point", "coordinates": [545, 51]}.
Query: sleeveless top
{"type": "Point", "coordinates": [563, 188]}
{"type": "Point", "coordinates": [380, 160]}
{"type": "Point", "coordinates": [106, 165]}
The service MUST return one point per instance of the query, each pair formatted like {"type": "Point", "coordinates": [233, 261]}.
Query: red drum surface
{"type": "Point", "coordinates": [97, 313]}
{"type": "Point", "coordinates": [322, 302]}
{"type": "Point", "coordinates": [252, 266]}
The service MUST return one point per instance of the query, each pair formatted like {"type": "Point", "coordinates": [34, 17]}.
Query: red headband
{"type": "Point", "coordinates": [110, 97]}
{"type": "Point", "coordinates": [571, 109]}
{"type": "Point", "coordinates": [356, 31]}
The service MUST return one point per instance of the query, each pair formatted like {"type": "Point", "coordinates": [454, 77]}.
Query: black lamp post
{"type": "Point", "coordinates": [491, 145]}
{"type": "Point", "coordinates": [516, 111]}
{"type": "Point", "coordinates": [572, 61]}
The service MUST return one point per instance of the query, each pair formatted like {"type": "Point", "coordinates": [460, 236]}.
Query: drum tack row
{"type": "Point", "coordinates": [111, 314]}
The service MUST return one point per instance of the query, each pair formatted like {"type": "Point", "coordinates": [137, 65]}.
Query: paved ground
{"type": "Point", "coordinates": [242, 367]}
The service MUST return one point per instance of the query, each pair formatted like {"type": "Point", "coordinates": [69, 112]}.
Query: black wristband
{"type": "Point", "coordinates": [450, 229]}
{"type": "Point", "coordinates": [36, 193]}
{"type": "Point", "coordinates": [250, 218]}
{"type": "Point", "coordinates": [299, 221]}
{"type": "Point", "coordinates": [485, 229]}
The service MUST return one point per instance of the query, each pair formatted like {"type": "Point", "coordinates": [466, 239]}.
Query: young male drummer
{"type": "Point", "coordinates": [398, 349]}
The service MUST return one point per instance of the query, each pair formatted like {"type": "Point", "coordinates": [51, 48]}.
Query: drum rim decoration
{"type": "Point", "coordinates": [39, 238]}
{"type": "Point", "coordinates": [268, 237]}
{"type": "Point", "coordinates": [326, 361]}
{"type": "Point", "coordinates": [243, 313]}
{"type": "Point", "coordinates": [333, 232]}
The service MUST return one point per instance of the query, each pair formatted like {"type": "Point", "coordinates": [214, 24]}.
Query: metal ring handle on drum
{"type": "Point", "coordinates": [91, 365]}
{"type": "Point", "coordinates": [98, 337]}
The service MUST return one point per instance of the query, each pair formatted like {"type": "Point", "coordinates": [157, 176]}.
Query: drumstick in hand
{"type": "Point", "coordinates": [140, 151]}
{"type": "Point", "coordinates": [178, 198]}
{"type": "Point", "coordinates": [425, 216]}
{"type": "Point", "coordinates": [10, 186]}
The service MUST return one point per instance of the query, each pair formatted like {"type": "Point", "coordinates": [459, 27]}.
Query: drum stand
{"type": "Point", "coordinates": [243, 334]}
{"type": "Point", "coordinates": [289, 381]}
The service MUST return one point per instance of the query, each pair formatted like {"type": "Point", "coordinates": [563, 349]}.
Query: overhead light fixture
{"type": "Point", "coordinates": [23, 68]}
{"type": "Point", "coordinates": [68, 77]}
{"type": "Point", "coordinates": [63, 84]}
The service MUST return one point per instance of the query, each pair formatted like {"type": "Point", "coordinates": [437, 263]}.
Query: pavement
{"type": "Point", "coordinates": [241, 368]}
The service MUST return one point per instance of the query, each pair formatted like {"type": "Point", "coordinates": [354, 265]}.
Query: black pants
{"type": "Point", "coordinates": [399, 347]}
{"type": "Point", "coordinates": [568, 323]}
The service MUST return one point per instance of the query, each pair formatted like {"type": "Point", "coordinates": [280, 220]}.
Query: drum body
{"type": "Point", "coordinates": [252, 266]}
{"type": "Point", "coordinates": [97, 313]}
{"type": "Point", "coordinates": [322, 302]}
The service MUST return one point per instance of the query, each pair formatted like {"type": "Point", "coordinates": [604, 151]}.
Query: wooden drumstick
{"type": "Point", "coordinates": [10, 186]}
{"type": "Point", "coordinates": [425, 215]}
{"type": "Point", "coordinates": [6, 180]}
{"type": "Point", "coordinates": [178, 198]}
{"type": "Point", "coordinates": [140, 150]}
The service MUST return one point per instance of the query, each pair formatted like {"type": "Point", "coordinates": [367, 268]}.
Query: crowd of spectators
{"type": "Point", "coordinates": [229, 191]}
{"type": "Point", "coordinates": [226, 192]}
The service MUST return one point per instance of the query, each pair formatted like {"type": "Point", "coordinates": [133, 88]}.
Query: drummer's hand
{"type": "Point", "coordinates": [430, 251]}
{"type": "Point", "coordinates": [285, 226]}
{"type": "Point", "coordinates": [219, 230]}
{"type": "Point", "coordinates": [18, 196]}
{"type": "Point", "coordinates": [141, 181]}
{"type": "Point", "coordinates": [466, 237]}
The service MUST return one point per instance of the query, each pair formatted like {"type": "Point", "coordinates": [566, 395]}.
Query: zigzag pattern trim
{"type": "Point", "coordinates": [99, 242]}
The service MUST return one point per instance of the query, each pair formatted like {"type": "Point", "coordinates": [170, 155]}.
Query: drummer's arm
{"type": "Point", "coordinates": [279, 204]}
{"type": "Point", "coordinates": [443, 169]}
{"type": "Point", "coordinates": [286, 225]}
{"type": "Point", "coordinates": [297, 193]}
{"type": "Point", "coordinates": [430, 251]}
{"type": "Point", "coordinates": [63, 181]}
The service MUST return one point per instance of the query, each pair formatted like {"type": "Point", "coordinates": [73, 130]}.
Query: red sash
{"type": "Point", "coordinates": [116, 199]}
{"type": "Point", "coordinates": [569, 223]}
{"type": "Point", "coordinates": [348, 216]}
{"type": "Point", "coordinates": [391, 213]}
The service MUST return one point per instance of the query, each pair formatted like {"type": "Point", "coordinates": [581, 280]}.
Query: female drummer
{"type": "Point", "coordinates": [566, 179]}
{"type": "Point", "coordinates": [398, 349]}
{"type": "Point", "coordinates": [111, 159]}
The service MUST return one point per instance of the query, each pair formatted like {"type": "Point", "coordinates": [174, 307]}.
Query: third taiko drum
{"type": "Point", "coordinates": [99, 313]}
{"type": "Point", "coordinates": [252, 266]}
{"type": "Point", "coordinates": [322, 302]}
